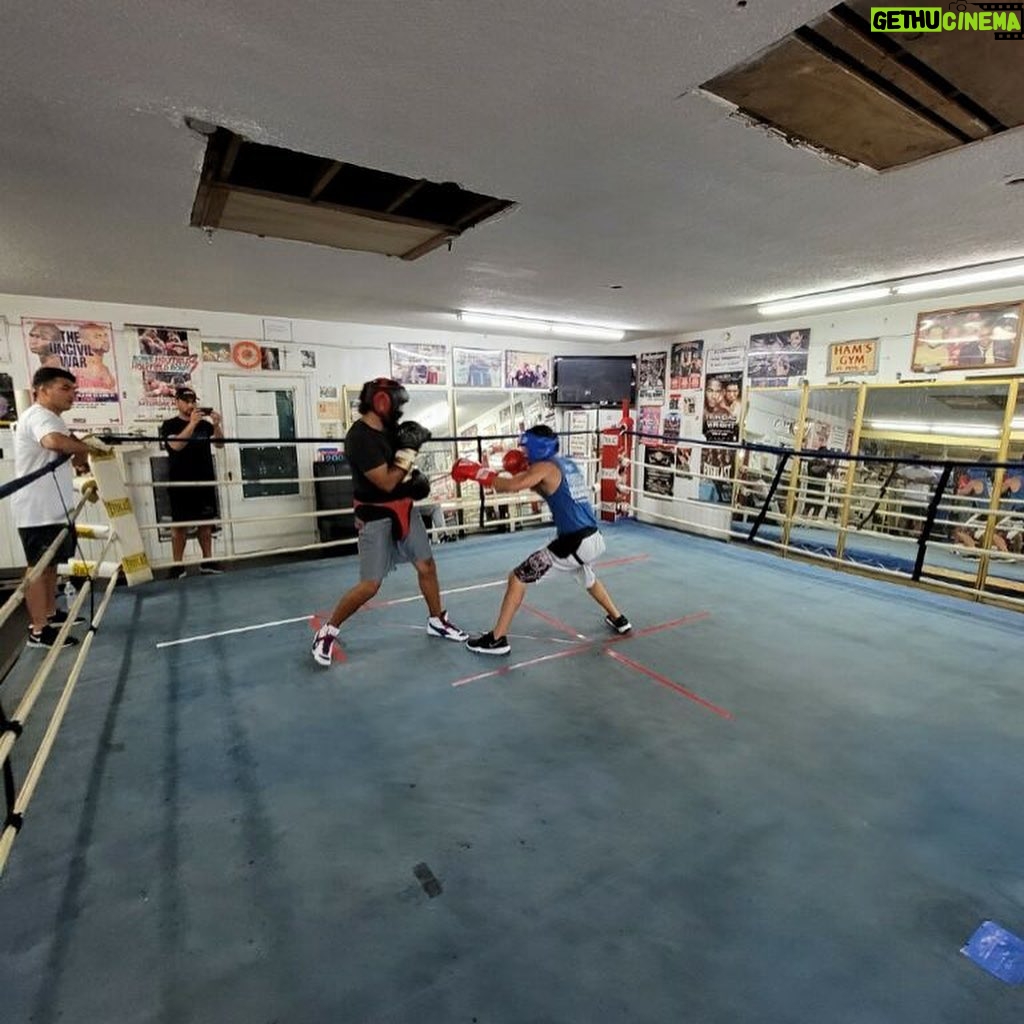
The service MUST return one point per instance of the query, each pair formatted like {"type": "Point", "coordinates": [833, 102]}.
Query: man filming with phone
{"type": "Point", "coordinates": [187, 438]}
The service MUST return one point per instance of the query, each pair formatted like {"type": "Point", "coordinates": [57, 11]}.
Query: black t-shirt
{"type": "Point", "coordinates": [366, 449]}
{"type": "Point", "coordinates": [195, 460]}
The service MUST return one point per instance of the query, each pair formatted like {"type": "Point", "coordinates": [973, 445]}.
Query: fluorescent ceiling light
{"type": "Point", "coordinates": [952, 429]}
{"type": "Point", "coordinates": [494, 321]}
{"type": "Point", "coordinates": [823, 301]}
{"type": "Point", "coordinates": [959, 280]}
{"type": "Point", "coordinates": [918, 285]}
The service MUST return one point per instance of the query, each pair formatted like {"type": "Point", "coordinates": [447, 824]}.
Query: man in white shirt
{"type": "Point", "coordinates": [41, 508]}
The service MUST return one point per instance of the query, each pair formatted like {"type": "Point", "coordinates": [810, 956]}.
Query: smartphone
{"type": "Point", "coordinates": [206, 409]}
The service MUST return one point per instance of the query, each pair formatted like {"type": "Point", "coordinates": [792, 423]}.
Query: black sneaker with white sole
{"type": "Point", "coordinates": [489, 644]}
{"type": "Point", "coordinates": [47, 637]}
{"type": "Point", "coordinates": [620, 625]}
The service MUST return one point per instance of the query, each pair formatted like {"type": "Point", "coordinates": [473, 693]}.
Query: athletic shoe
{"type": "Point", "coordinates": [179, 574]}
{"type": "Point", "coordinates": [441, 626]}
{"type": "Point", "coordinates": [58, 618]}
{"type": "Point", "coordinates": [489, 644]}
{"type": "Point", "coordinates": [47, 637]}
{"type": "Point", "coordinates": [323, 644]}
{"type": "Point", "coordinates": [210, 570]}
{"type": "Point", "coordinates": [620, 625]}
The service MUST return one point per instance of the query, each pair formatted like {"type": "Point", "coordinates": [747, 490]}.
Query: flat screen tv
{"type": "Point", "coordinates": [595, 380]}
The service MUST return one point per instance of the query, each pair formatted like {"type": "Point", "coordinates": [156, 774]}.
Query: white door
{"type": "Point", "coordinates": [262, 478]}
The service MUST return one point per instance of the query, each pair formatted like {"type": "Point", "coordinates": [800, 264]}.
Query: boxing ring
{"type": "Point", "coordinates": [787, 795]}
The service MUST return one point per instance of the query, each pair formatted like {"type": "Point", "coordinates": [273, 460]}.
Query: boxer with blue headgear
{"type": "Point", "coordinates": [540, 444]}
{"type": "Point", "coordinates": [578, 542]}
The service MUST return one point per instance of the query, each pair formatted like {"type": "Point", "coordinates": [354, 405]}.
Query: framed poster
{"type": "Point", "coordinates": [419, 364]}
{"type": "Point", "coordinates": [955, 339]}
{"type": "Point", "coordinates": [477, 367]}
{"type": "Point", "coordinates": [527, 370]}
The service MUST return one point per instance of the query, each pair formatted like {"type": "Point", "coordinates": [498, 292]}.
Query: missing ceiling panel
{"type": "Point", "coordinates": [881, 99]}
{"type": "Point", "coordinates": [277, 193]}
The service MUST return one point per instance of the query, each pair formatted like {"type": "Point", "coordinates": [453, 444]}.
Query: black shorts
{"type": "Point", "coordinates": [36, 539]}
{"type": "Point", "coordinates": [192, 503]}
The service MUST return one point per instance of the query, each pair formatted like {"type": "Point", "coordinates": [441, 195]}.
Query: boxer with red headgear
{"type": "Point", "coordinates": [382, 454]}
{"type": "Point", "coordinates": [578, 543]}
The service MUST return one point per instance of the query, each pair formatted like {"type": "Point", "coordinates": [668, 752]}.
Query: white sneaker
{"type": "Point", "coordinates": [440, 626]}
{"type": "Point", "coordinates": [323, 644]}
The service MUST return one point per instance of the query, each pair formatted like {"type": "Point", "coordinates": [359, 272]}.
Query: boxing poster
{"type": "Point", "coordinates": [651, 373]}
{"type": "Point", "coordinates": [649, 421]}
{"type": "Point", "coordinates": [723, 393]}
{"type": "Point", "coordinates": [86, 348]}
{"type": "Point", "coordinates": [686, 365]}
{"type": "Point", "coordinates": [163, 360]}
{"type": "Point", "coordinates": [779, 359]}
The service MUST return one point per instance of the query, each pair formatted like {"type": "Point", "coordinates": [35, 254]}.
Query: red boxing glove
{"type": "Point", "coordinates": [467, 469]}
{"type": "Point", "coordinates": [515, 461]}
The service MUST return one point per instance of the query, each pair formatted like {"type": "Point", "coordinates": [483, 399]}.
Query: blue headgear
{"type": "Point", "coordinates": [538, 448]}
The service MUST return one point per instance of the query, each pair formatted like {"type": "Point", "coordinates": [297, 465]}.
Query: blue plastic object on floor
{"type": "Point", "coordinates": [997, 951]}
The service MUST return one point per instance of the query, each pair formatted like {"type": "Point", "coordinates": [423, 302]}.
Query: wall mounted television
{"type": "Point", "coordinates": [594, 380]}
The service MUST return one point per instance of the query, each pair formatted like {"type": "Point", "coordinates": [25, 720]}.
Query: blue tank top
{"type": "Point", "coordinates": [570, 502]}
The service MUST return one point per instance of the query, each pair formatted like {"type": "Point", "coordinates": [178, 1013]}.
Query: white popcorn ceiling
{"type": "Point", "coordinates": [582, 111]}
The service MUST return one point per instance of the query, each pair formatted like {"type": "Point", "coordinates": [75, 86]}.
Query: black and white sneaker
{"type": "Point", "coordinates": [210, 569]}
{"type": "Point", "coordinates": [323, 644]}
{"type": "Point", "coordinates": [489, 644]}
{"type": "Point", "coordinates": [620, 625]}
{"type": "Point", "coordinates": [58, 618]}
{"type": "Point", "coordinates": [442, 626]}
{"type": "Point", "coordinates": [47, 637]}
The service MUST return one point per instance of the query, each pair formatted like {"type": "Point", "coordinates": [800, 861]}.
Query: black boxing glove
{"type": "Point", "coordinates": [415, 486]}
{"type": "Point", "coordinates": [409, 438]}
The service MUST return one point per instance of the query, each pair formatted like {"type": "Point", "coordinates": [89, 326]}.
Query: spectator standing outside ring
{"type": "Point", "coordinates": [41, 508]}
{"type": "Point", "coordinates": [187, 439]}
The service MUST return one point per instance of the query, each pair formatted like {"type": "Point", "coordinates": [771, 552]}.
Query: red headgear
{"type": "Point", "coordinates": [385, 397]}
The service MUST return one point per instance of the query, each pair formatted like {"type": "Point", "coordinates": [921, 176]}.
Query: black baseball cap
{"type": "Point", "coordinates": [185, 394]}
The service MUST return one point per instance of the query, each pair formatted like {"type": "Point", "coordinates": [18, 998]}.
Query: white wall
{"type": "Point", "coordinates": [346, 355]}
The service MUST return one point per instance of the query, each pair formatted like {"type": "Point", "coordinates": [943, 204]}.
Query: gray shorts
{"type": "Point", "coordinates": [379, 553]}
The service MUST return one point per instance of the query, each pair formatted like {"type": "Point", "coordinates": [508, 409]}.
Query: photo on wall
{"type": "Point", "coordinates": [778, 359]}
{"type": "Point", "coordinates": [952, 339]}
{"type": "Point", "coordinates": [527, 370]}
{"type": "Point", "coordinates": [651, 374]}
{"type": "Point", "coordinates": [477, 367]}
{"type": "Point", "coordinates": [419, 364]}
